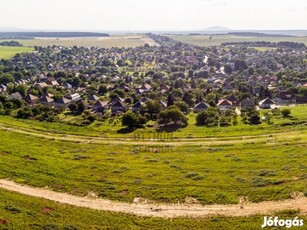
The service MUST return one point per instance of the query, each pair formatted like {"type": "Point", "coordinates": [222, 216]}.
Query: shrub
{"type": "Point", "coordinates": [285, 113]}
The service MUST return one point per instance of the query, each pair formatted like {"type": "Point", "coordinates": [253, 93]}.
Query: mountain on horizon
{"type": "Point", "coordinates": [217, 28]}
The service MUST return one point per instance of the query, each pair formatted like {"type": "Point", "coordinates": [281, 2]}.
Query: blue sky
{"type": "Point", "coordinates": [130, 15]}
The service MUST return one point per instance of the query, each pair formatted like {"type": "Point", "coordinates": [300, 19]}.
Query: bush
{"type": "Point", "coordinates": [133, 120]}
{"type": "Point", "coordinates": [285, 113]}
{"type": "Point", "coordinates": [208, 117]}
{"type": "Point", "coordinates": [173, 116]}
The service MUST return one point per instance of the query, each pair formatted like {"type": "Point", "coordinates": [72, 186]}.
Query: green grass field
{"type": "Point", "coordinates": [267, 166]}
{"type": "Point", "coordinates": [130, 40]}
{"type": "Point", "coordinates": [203, 40]}
{"type": "Point", "coordinates": [23, 212]}
{"type": "Point", "coordinates": [7, 52]}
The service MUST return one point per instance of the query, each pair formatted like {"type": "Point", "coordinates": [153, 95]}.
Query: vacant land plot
{"type": "Point", "coordinates": [7, 52]}
{"type": "Point", "coordinates": [104, 42]}
{"type": "Point", "coordinates": [261, 163]}
{"type": "Point", "coordinates": [204, 40]}
{"type": "Point", "coordinates": [15, 214]}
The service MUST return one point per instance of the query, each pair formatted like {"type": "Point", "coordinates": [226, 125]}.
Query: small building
{"type": "Point", "coordinates": [266, 103]}
{"type": "Point", "coordinates": [45, 100]}
{"type": "Point", "coordinates": [225, 104]}
{"type": "Point", "coordinates": [201, 107]}
{"type": "Point", "coordinates": [234, 100]}
{"type": "Point", "coordinates": [62, 103]}
{"type": "Point", "coordinates": [31, 99]}
{"type": "Point", "coordinates": [40, 85]}
{"type": "Point", "coordinates": [99, 106]}
{"type": "Point", "coordinates": [49, 95]}
{"type": "Point", "coordinates": [15, 95]}
{"type": "Point", "coordinates": [163, 105]}
{"type": "Point", "coordinates": [143, 88]}
{"type": "Point", "coordinates": [93, 98]}
{"type": "Point", "coordinates": [52, 83]}
{"type": "Point", "coordinates": [2, 88]}
{"type": "Point", "coordinates": [118, 107]}
{"type": "Point", "coordinates": [247, 103]}
{"type": "Point", "coordinates": [137, 106]}
{"type": "Point", "coordinates": [67, 86]}
{"type": "Point", "coordinates": [286, 97]}
{"type": "Point", "coordinates": [74, 97]}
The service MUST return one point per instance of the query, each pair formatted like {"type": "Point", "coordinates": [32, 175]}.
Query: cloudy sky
{"type": "Point", "coordinates": [131, 15]}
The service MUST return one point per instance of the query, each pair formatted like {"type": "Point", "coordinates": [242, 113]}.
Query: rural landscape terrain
{"type": "Point", "coordinates": [152, 131]}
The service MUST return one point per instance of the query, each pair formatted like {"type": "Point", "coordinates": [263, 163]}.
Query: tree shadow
{"type": "Point", "coordinates": [125, 130]}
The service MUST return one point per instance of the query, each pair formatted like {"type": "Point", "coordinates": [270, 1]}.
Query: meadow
{"type": "Point", "coordinates": [216, 40]}
{"type": "Point", "coordinates": [23, 212]}
{"type": "Point", "coordinates": [129, 40]}
{"type": "Point", "coordinates": [6, 52]}
{"type": "Point", "coordinates": [258, 162]}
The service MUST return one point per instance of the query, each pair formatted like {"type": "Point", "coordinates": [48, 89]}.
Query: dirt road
{"type": "Point", "coordinates": [274, 138]}
{"type": "Point", "coordinates": [159, 210]}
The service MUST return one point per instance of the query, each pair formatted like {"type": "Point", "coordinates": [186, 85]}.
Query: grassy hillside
{"type": "Point", "coordinates": [23, 212]}
{"type": "Point", "coordinates": [269, 166]}
{"type": "Point", "coordinates": [203, 40]}
{"type": "Point", "coordinates": [7, 52]}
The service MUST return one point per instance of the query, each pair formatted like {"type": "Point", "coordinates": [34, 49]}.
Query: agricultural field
{"type": "Point", "coordinates": [7, 52]}
{"type": "Point", "coordinates": [104, 42]}
{"type": "Point", "coordinates": [216, 40]}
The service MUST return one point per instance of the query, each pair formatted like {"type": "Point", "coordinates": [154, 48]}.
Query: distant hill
{"type": "Point", "coordinates": [217, 28]}
{"type": "Point", "coordinates": [257, 34]}
{"type": "Point", "coordinates": [24, 35]}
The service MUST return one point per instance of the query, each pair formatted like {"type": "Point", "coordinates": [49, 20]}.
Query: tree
{"type": "Point", "coordinates": [81, 107]}
{"type": "Point", "coordinates": [253, 117]}
{"type": "Point", "coordinates": [208, 117]}
{"type": "Point", "coordinates": [153, 107]}
{"type": "Point", "coordinates": [170, 100]}
{"type": "Point", "coordinates": [76, 82]}
{"type": "Point", "coordinates": [227, 69]}
{"type": "Point", "coordinates": [173, 117]}
{"type": "Point", "coordinates": [182, 106]}
{"type": "Point", "coordinates": [285, 113]}
{"type": "Point", "coordinates": [251, 71]}
{"type": "Point", "coordinates": [6, 78]}
{"type": "Point", "coordinates": [73, 107]}
{"type": "Point", "coordinates": [188, 98]}
{"type": "Point", "coordinates": [240, 65]}
{"type": "Point", "coordinates": [24, 113]}
{"type": "Point", "coordinates": [22, 89]}
{"type": "Point", "coordinates": [133, 120]}
{"type": "Point", "coordinates": [1, 107]}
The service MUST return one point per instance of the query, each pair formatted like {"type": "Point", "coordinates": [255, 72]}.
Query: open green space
{"type": "Point", "coordinates": [110, 127]}
{"type": "Point", "coordinates": [216, 40]}
{"type": "Point", "coordinates": [7, 52]}
{"type": "Point", "coordinates": [23, 212]}
{"type": "Point", "coordinates": [260, 162]}
{"type": "Point", "coordinates": [130, 40]}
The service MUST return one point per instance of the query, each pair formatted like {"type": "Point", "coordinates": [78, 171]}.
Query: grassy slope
{"type": "Point", "coordinates": [109, 128]}
{"type": "Point", "coordinates": [23, 212]}
{"type": "Point", "coordinates": [7, 52]}
{"type": "Point", "coordinates": [266, 170]}
{"type": "Point", "coordinates": [203, 40]}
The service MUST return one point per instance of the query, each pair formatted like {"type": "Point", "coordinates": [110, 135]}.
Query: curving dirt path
{"type": "Point", "coordinates": [298, 136]}
{"type": "Point", "coordinates": [159, 210]}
